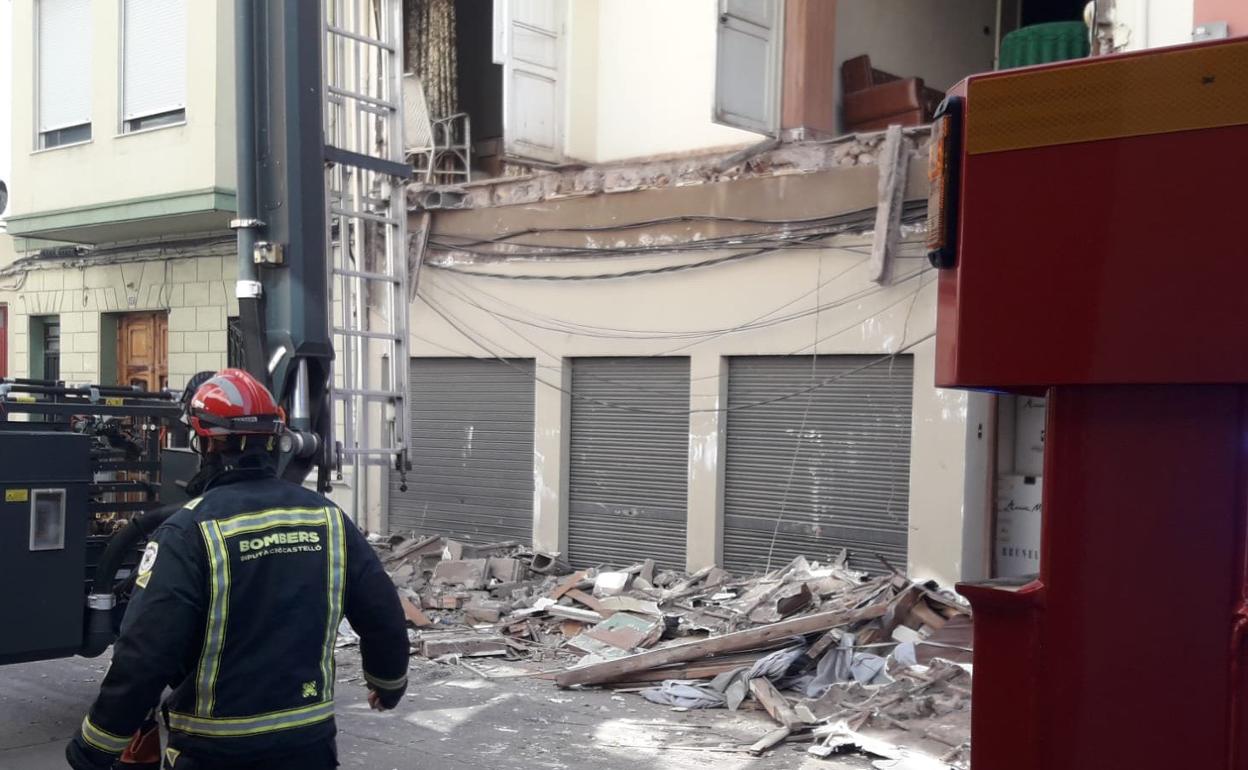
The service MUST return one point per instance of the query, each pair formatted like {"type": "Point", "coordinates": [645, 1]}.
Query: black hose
{"type": "Point", "coordinates": [102, 624]}
{"type": "Point", "coordinates": [124, 541]}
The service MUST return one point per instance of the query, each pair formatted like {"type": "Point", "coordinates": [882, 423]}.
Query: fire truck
{"type": "Point", "coordinates": [87, 472]}
{"type": "Point", "coordinates": [1086, 219]}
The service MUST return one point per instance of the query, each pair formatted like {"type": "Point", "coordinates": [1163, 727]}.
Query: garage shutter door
{"type": "Point", "coordinates": [472, 452]}
{"type": "Point", "coordinates": [628, 469]}
{"type": "Point", "coordinates": [849, 487]}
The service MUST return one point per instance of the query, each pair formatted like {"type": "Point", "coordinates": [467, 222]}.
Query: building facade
{"type": "Point", "coordinates": [121, 191]}
{"type": "Point", "coordinates": [679, 312]}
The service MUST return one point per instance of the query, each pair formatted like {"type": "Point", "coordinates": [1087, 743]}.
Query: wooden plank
{"type": "Point", "coordinates": [568, 583]}
{"type": "Point", "coordinates": [737, 641]}
{"type": "Point", "coordinates": [817, 649]}
{"type": "Point", "coordinates": [770, 741]}
{"type": "Point", "coordinates": [574, 613]}
{"type": "Point", "coordinates": [707, 670]}
{"type": "Point", "coordinates": [925, 615]}
{"type": "Point", "coordinates": [895, 611]}
{"type": "Point", "coordinates": [777, 706]}
{"type": "Point", "coordinates": [893, 164]}
{"type": "Point", "coordinates": [577, 595]}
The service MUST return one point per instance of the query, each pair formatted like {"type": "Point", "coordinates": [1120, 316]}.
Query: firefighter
{"type": "Point", "coordinates": [236, 607]}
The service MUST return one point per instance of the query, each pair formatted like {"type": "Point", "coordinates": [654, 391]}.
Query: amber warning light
{"type": "Point", "coordinates": [944, 165]}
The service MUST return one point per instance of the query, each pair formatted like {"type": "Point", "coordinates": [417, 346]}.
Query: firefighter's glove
{"type": "Point", "coordinates": [380, 701]}
{"type": "Point", "coordinates": [82, 756]}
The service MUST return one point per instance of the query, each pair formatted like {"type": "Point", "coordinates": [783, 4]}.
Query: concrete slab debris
{"type": "Point", "coordinates": [831, 654]}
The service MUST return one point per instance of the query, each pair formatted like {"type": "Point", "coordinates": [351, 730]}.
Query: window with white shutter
{"type": "Point", "coordinates": [747, 64]}
{"type": "Point", "coordinates": [153, 77]}
{"type": "Point", "coordinates": [63, 50]}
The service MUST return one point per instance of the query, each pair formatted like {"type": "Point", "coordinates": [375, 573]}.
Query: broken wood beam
{"type": "Point", "coordinates": [777, 706]}
{"type": "Point", "coordinates": [574, 613]}
{"type": "Point", "coordinates": [579, 596]}
{"type": "Point", "coordinates": [738, 641]}
{"type": "Point", "coordinates": [568, 583]}
{"type": "Point", "coordinates": [817, 649]}
{"type": "Point", "coordinates": [770, 741]}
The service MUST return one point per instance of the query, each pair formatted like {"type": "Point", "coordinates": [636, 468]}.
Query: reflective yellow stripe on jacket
{"type": "Point", "coordinates": [218, 611]}
{"type": "Point", "coordinates": [234, 727]}
{"type": "Point", "coordinates": [215, 534]}
{"type": "Point", "coordinates": [103, 739]}
{"type": "Point", "coordinates": [279, 517]}
{"type": "Point", "coordinates": [385, 684]}
{"type": "Point", "coordinates": [336, 551]}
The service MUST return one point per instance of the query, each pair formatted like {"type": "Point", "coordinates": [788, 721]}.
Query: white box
{"type": "Point", "coordinates": [1029, 436]}
{"type": "Point", "coordinates": [1017, 542]}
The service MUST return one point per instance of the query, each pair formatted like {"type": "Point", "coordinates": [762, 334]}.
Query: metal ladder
{"type": "Point", "coordinates": [366, 216]}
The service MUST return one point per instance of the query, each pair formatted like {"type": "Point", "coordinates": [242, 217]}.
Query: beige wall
{"type": "Point", "coordinates": [196, 291]}
{"type": "Point", "coordinates": [946, 508]}
{"type": "Point", "coordinates": [114, 167]}
{"type": "Point", "coordinates": [7, 252]}
{"type": "Point", "coordinates": [642, 80]}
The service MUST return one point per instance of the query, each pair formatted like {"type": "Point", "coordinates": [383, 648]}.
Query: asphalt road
{"type": "Point", "coordinates": [450, 719]}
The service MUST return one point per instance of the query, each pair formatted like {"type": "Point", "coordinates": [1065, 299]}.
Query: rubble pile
{"type": "Point", "coordinates": [840, 660]}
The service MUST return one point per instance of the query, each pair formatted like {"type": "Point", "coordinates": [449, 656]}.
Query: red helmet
{"type": "Point", "coordinates": [233, 403]}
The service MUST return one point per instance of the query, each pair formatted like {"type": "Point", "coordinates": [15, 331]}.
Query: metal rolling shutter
{"type": "Point", "coordinates": [472, 452]}
{"type": "Point", "coordinates": [850, 485]}
{"type": "Point", "coordinates": [628, 471]}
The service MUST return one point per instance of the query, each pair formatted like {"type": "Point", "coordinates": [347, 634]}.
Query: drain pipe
{"type": "Point", "coordinates": [247, 224]}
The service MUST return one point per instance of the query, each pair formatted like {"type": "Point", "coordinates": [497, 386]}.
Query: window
{"type": "Point", "coordinates": [52, 350]}
{"type": "Point", "coordinates": [47, 519]}
{"type": "Point", "coordinates": [529, 45]}
{"type": "Point", "coordinates": [153, 78]}
{"type": "Point", "coordinates": [45, 347]}
{"type": "Point", "coordinates": [63, 50]}
{"type": "Point", "coordinates": [747, 64]}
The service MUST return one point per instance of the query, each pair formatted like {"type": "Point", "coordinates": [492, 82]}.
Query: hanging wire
{"type": "Point", "coordinates": [475, 337]}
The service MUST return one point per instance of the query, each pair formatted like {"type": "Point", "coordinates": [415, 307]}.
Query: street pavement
{"type": "Point", "coordinates": [451, 719]}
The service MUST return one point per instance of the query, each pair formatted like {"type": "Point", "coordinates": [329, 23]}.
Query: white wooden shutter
{"type": "Point", "coordinates": [532, 78]}
{"type": "Point", "coordinates": [747, 64]}
{"type": "Point", "coordinates": [154, 53]}
{"type": "Point", "coordinates": [64, 41]}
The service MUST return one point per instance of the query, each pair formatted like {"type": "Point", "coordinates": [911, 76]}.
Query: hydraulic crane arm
{"type": "Point", "coordinates": [283, 271]}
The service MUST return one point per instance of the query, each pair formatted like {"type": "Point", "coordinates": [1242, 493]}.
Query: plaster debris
{"type": "Point", "coordinates": [839, 659]}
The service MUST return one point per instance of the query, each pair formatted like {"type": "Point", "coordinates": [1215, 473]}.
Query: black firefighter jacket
{"type": "Point", "coordinates": [237, 607]}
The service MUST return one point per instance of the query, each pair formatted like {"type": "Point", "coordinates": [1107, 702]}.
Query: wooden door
{"type": "Point", "coordinates": [142, 350]}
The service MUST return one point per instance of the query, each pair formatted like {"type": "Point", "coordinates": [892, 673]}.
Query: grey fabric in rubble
{"type": "Point", "coordinates": [728, 689]}
{"type": "Point", "coordinates": [904, 655]}
{"type": "Point", "coordinates": [685, 694]}
{"type": "Point", "coordinates": [775, 665]}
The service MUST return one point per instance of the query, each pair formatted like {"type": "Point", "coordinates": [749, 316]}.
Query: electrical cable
{"type": "Point", "coordinates": [607, 276]}
{"type": "Point", "coordinates": [803, 239]}
{"type": "Point", "coordinates": [700, 337]}
{"type": "Point", "coordinates": [560, 325]}
{"type": "Point", "coordinates": [913, 207]}
{"type": "Point", "coordinates": [850, 327]}
{"type": "Point", "coordinates": [716, 243]}
{"type": "Point", "coordinates": [472, 336]}
{"type": "Point", "coordinates": [801, 431]}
